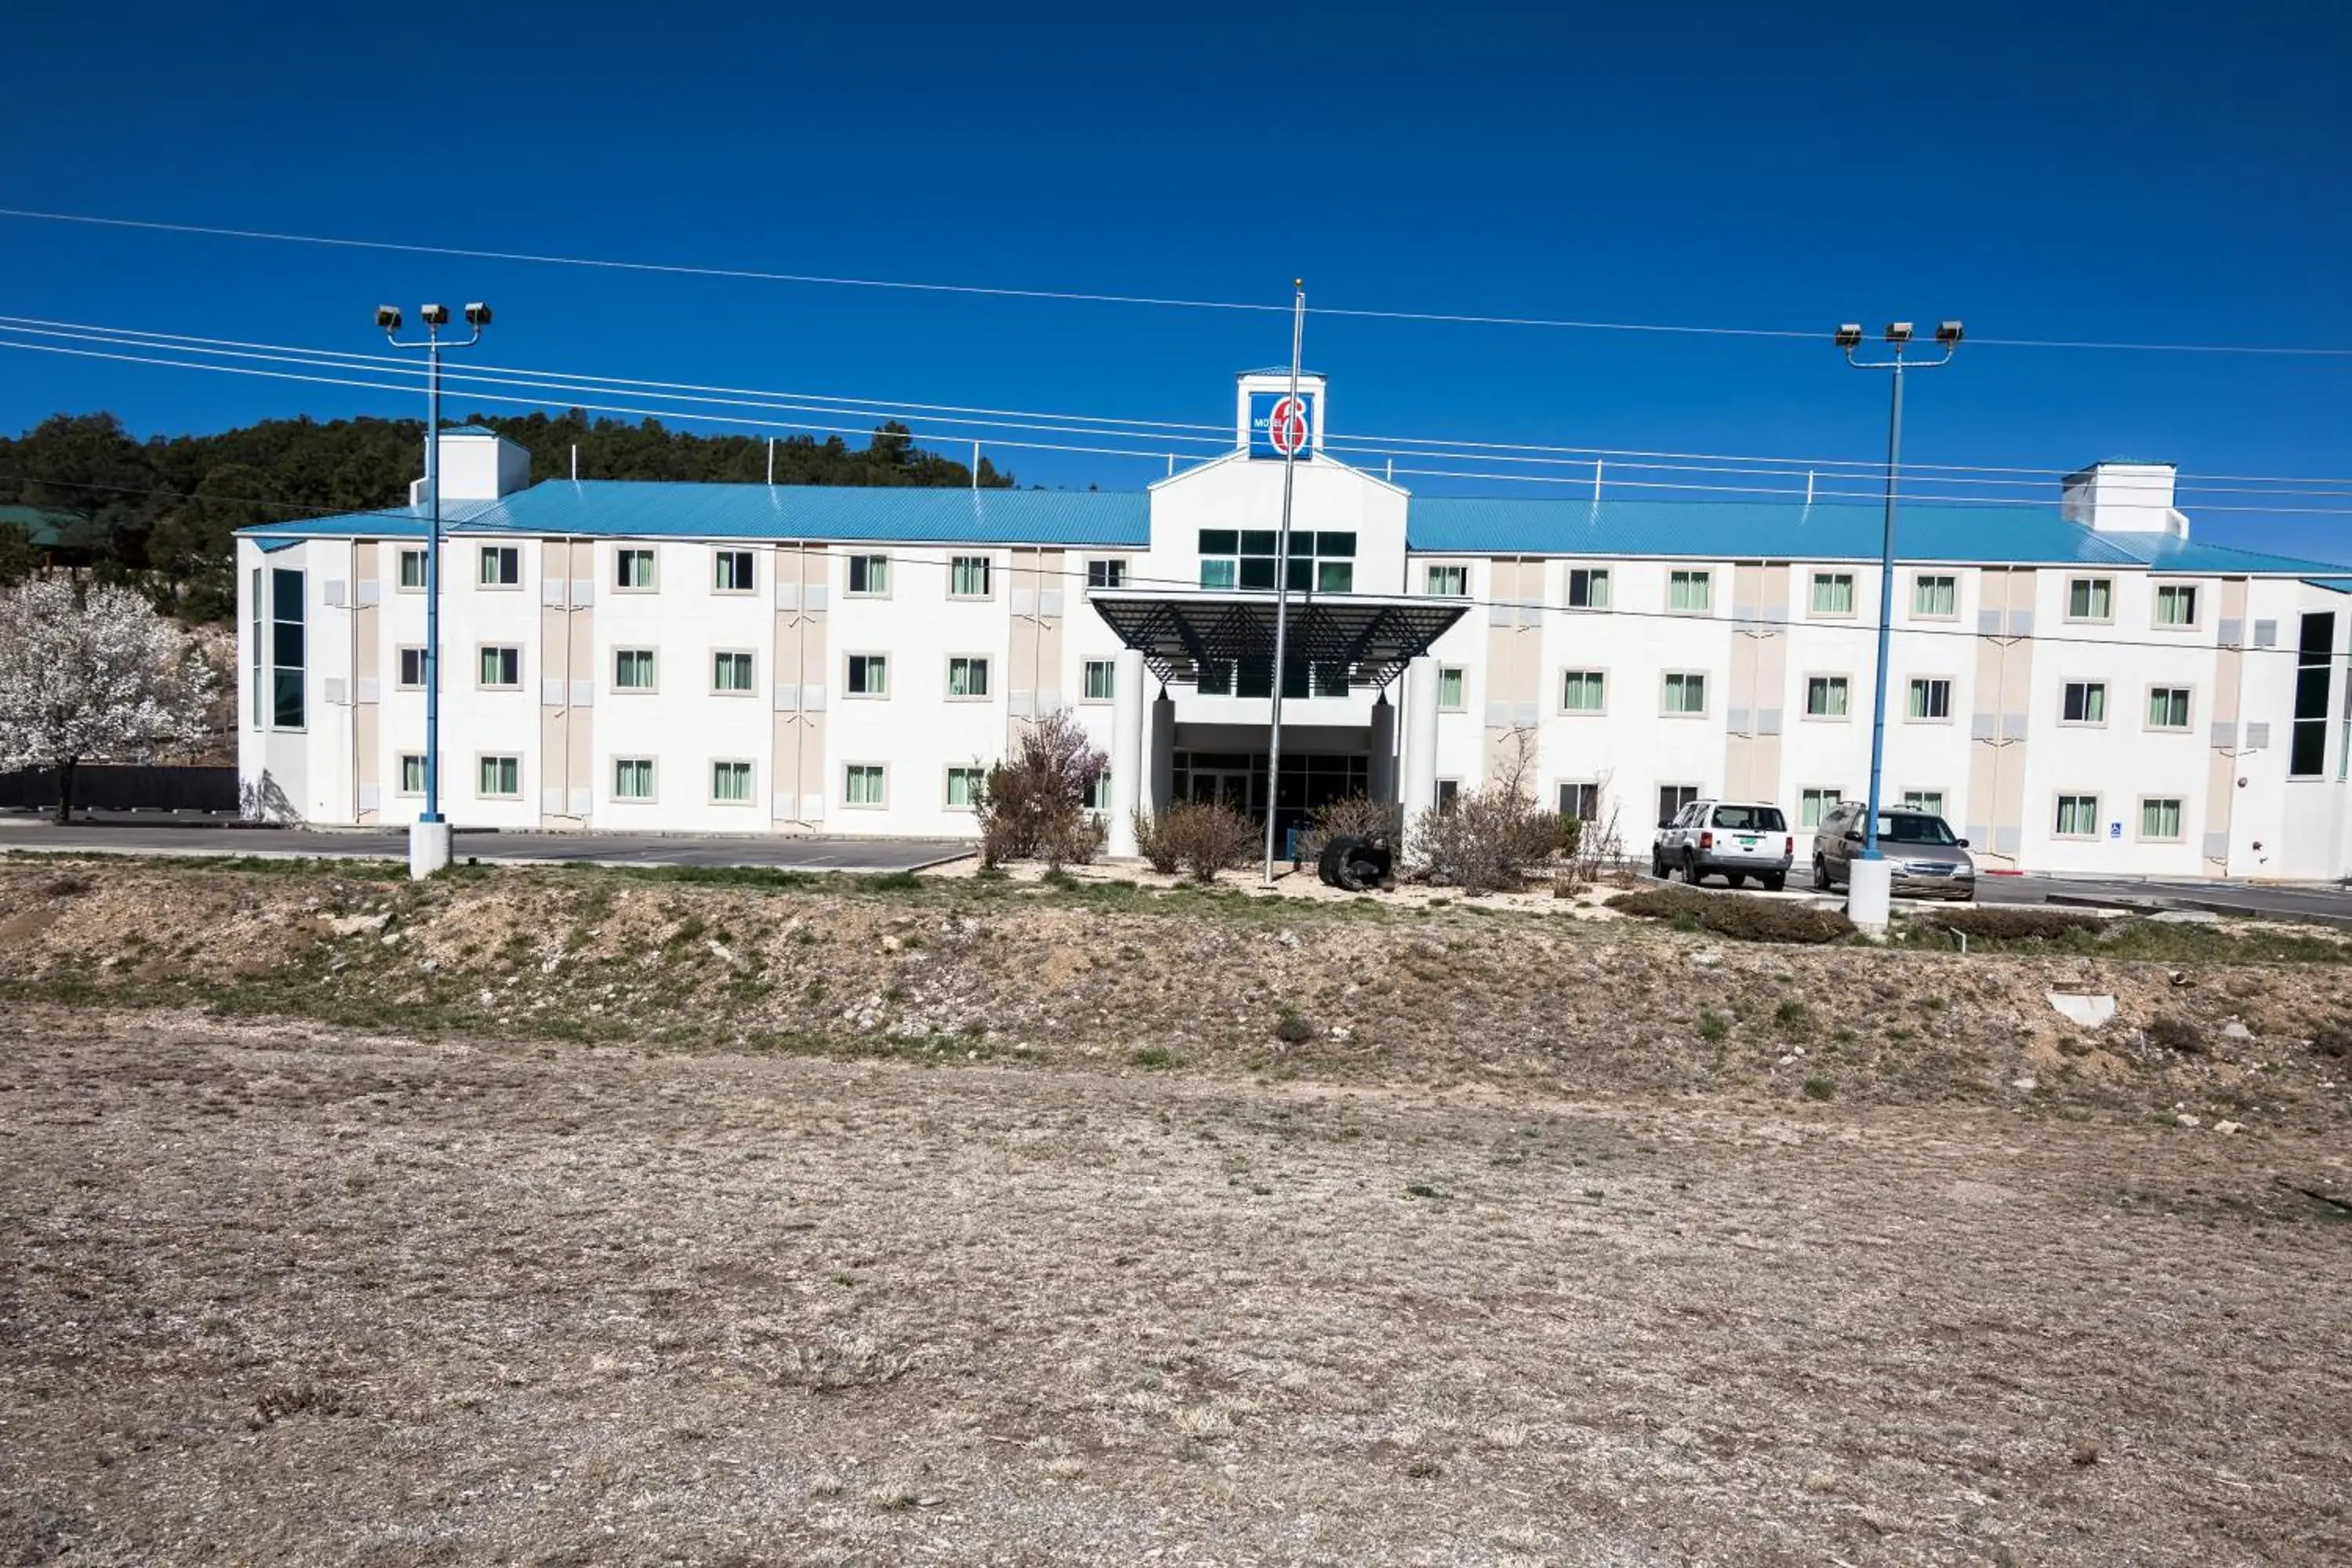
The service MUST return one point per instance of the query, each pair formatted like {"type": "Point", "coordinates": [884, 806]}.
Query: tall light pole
{"type": "Point", "coordinates": [1870, 882]}
{"type": "Point", "coordinates": [429, 839]}
{"type": "Point", "coordinates": [1288, 439]}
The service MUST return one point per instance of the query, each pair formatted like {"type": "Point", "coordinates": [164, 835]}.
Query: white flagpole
{"type": "Point", "coordinates": [1282, 569]}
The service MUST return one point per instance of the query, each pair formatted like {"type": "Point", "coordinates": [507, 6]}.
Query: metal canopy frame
{"type": "Point", "coordinates": [1371, 636]}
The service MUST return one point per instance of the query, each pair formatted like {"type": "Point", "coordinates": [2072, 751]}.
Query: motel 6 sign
{"type": "Point", "coordinates": [1281, 425]}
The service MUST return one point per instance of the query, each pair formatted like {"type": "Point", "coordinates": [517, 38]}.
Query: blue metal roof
{"type": "Point", "coordinates": [1705, 531]}
{"type": "Point", "coordinates": [639, 508]}
{"type": "Point", "coordinates": [2163, 552]}
{"type": "Point", "coordinates": [1725, 530]}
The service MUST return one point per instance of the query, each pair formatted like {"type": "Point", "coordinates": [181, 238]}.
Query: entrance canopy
{"type": "Point", "coordinates": [1369, 636]}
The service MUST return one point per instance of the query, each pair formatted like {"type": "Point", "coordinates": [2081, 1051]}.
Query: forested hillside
{"type": "Point", "coordinates": [161, 512]}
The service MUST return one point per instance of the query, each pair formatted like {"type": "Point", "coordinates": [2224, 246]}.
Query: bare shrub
{"type": "Point", "coordinates": [2175, 1032]}
{"type": "Point", "coordinates": [1033, 804]}
{"type": "Point", "coordinates": [1200, 837]}
{"type": "Point", "coordinates": [1489, 839]}
{"type": "Point", "coordinates": [1591, 849]}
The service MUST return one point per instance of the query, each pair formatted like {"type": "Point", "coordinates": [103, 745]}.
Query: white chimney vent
{"type": "Point", "coordinates": [2123, 496]}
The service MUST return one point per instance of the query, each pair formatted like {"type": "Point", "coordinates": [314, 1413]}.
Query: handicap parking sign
{"type": "Point", "coordinates": [2114, 830]}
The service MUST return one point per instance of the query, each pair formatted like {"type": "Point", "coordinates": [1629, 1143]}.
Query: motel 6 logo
{"type": "Point", "coordinates": [1286, 426]}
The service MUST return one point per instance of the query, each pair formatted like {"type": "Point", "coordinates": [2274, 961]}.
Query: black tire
{"type": "Point", "coordinates": [1774, 880]}
{"type": "Point", "coordinates": [1658, 865]}
{"type": "Point", "coordinates": [1821, 874]}
{"type": "Point", "coordinates": [1691, 873]}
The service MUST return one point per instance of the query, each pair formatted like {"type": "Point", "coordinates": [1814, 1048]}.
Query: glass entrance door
{"type": "Point", "coordinates": [1229, 787]}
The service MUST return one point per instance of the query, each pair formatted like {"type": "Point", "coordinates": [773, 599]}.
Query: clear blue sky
{"type": "Point", "coordinates": [2178, 173]}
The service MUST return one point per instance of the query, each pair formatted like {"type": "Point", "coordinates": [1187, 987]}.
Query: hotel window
{"type": "Point", "coordinates": [2160, 819]}
{"type": "Point", "coordinates": [412, 669]}
{"type": "Point", "coordinates": [501, 566]}
{"type": "Point", "coordinates": [965, 785]}
{"type": "Point", "coordinates": [1685, 693]}
{"type": "Point", "coordinates": [2078, 817]}
{"type": "Point", "coordinates": [967, 577]}
{"type": "Point", "coordinates": [869, 576]}
{"type": "Point", "coordinates": [967, 677]}
{"type": "Point", "coordinates": [1672, 798]}
{"type": "Point", "coordinates": [1930, 801]}
{"type": "Point", "coordinates": [1106, 574]}
{"type": "Point", "coordinates": [730, 672]}
{"type": "Point", "coordinates": [2085, 703]}
{"type": "Point", "coordinates": [2168, 707]}
{"type": "Point", "coordinates": [1689, 593]}
{"type": "Point", "coordinates": [869, 674]}
{"type": "Point", "coordinates": [1588, 587]}
{"type": "Point", "coordinates": [1449, 691]}
{"type": "Point", "coordinates": [412, 774]}
{"type": "Point", "coordinates": [1584, 692]}
{"type": "Point", "coordinates": [1833, 592]}
{"type": "Point", "coordinates": [501, 667]}
{"type": "Point", "coordinates": [1099, 792]}
{"type": "Point", "coordinates": [730, 784]}
{"type": "Point", "coordinates": [633, 778]}
{"type": "Point", "coordinates": [863, 784]}
{"type": "Point", "coordinates": [1102, 679]}
{"type": "Point", "coordinates": [1580, 802]}
{"type": "Point", "coordinates": [279, 655]}
{"type": "Point", "coordinates": [1244, 558]}
{"type": "Point", "coordinates": [1931, 698]}
{"type": "Point", "coordinates": [1449, 790]}
{"type": "Point", "coordinates": [2091, 599]}
{"type": "Point", "coordinates": [1935, 596]}
{"type": "Point", "coordinates": [2307, 751]}
{"type": "Point", "coordinates": [632, 571]}
{"type": "Point", "coordinates": [633, 670]}
{"type": "Point", "coordinates": [2176, 604]}
{"type": "Point", "coordinates": [733, 572]}
{"type": "Point", "coordinates": [412, 571]}
{"type": "Point", "coordinates": [1814, 805]}
{"type": "Point", "coordinates": [501, 778]}
{"type": "Point", "coordinates": [1825, 696]}
{"type": "Point", "coordinates": [1446, 581]}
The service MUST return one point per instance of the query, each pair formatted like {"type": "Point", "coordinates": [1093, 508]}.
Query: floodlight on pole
{"type": "Point", "coordinates": [1849, 337]}
{"type": "Point", "coordinates": [429, 838]}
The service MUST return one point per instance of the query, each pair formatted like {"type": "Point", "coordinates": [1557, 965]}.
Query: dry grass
{"type": "Point", "coordinates": [284, 1294]}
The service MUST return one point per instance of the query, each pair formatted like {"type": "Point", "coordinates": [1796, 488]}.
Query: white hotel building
{"type": "Point", "coordinates": [2081, 687]}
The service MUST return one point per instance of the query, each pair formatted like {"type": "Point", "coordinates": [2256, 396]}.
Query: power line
{"type": "Point", "coordinates": [1856, 625]}
{"type": "Point", "coordinates": [1106, 298]}
{"type": "Point", "coordinates": [565, 396]}
{"type": "Point", "coordinates": [1081, 424]}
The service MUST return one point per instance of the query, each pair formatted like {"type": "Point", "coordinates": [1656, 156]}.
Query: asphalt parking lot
{"type": "Point", "coordinates": [203, 837]}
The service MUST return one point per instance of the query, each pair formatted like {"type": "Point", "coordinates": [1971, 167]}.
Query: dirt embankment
{"type": "Point", "coordinates": [959, 970]}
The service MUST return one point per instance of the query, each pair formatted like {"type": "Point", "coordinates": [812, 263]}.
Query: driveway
{"type": "Point", "coordinates": [206, 836]}
{"type": "Point", "coordinates": [2319, 903]}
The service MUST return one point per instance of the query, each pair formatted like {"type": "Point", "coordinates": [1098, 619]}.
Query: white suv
{"type": "Point", "coordinates": [1734, 839]}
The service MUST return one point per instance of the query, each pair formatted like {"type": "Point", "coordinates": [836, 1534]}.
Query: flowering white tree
{"type": "Point", "coordinates": [91, 673]}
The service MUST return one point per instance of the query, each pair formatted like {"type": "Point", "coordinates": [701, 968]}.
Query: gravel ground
{"type": "Point", "coordinates": [284, 1294]}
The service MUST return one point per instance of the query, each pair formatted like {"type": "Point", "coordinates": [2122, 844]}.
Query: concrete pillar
{"type": "Point", "coordinates": [1383, 780]}
{"type": "Point", "coordinates": [1127, 759]}
{"type": "Point", "coordinates": [1161, 777]}
{"type": "Point", "coordinates": [1869, 894]}
{"type": "Point", "coordinates": [1419, 783]}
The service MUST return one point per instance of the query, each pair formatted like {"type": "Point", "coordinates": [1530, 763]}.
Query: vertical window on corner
{"type": "Point", "coordinates": [288, 650]}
